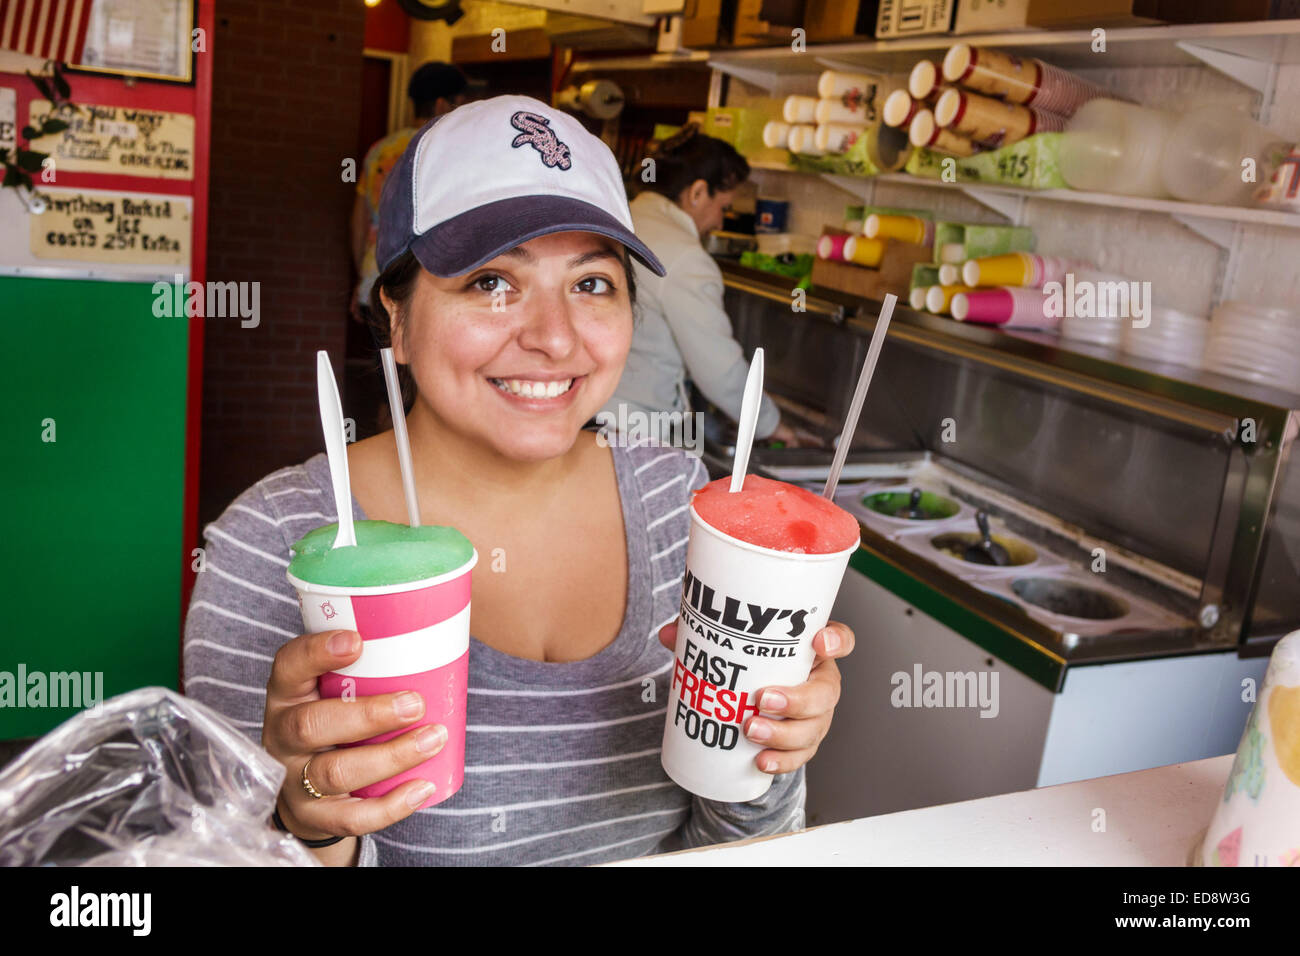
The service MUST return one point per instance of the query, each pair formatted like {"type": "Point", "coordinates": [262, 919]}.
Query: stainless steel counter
{"type": "Point", "coordinates": [1149, 462]}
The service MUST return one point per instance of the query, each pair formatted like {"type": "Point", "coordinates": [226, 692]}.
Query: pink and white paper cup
{"type": "Point", "coordinates": [415, 636]}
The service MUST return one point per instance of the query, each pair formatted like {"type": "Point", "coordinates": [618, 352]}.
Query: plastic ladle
{"type": "Point", "coordinates": [913, 508]}
{"type": "Point", "coordinates": [748, 421]}
{"type": "Point", "coordinates": [986, 550]}
{"type": "Point", "coordinates": [336, 448]}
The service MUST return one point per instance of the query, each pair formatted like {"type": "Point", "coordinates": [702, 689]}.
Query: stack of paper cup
{"type": "Point", "coordinates": [1011, 307]}
{"type": "Point", "coordinates": [899, 109]}
{"type": "Point", "coordinates": [800, 109]}
{"type": "Point", "coordinates": [776, 134]}
{"type": "Point", "coordinates": [923, 81]}
{"type": "Point", "coordinates": [803, 139]}
{"type": "Point", "coordinates": [1172, 336]}
{"type": "Point", "coordinates": [1256, 343]}
{"type": "Point", "coordinates": [863, 251]}
{"type": "Point", "coordinates": [938, 298]}
{"type": "Point", "coordinates": [837, 137]}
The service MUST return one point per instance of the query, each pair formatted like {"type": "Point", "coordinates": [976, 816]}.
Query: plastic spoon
{"type": "Point", "coordinates": [859, 396]}
{"type": "Point", "coordinates": [336, 448]}
{"type": "Point", "coordinates": [748, 421]}
{"type": "Point", "coordinates": [398, 411]}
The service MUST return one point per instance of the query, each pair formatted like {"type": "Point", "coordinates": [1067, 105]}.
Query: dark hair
{"type": "Point", "coordinates": [689, 155]}
{"type": "Point", "coordinates": [434, 81]}
{"type": "Point", "coordinates": [398, 281]}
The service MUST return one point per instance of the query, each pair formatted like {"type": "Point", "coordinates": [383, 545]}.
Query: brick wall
{"type": "Point", "coordinates": [285, 108]}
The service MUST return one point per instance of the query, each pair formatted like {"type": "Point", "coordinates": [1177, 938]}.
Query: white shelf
{"type": "Point", "coordinates": [1270, 41]}
{"type": "Point", "coordinates": [1172, 207]}
{"type": "Point", "coordinates": [648, 61]}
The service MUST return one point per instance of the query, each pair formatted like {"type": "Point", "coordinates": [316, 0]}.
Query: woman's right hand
{"type": "Point", "coordinates": [299, 726]}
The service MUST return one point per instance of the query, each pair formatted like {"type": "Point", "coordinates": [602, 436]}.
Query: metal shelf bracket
{"type": "Point", "coordinates": [1221, 232]}
{"type": "Point", "coordinates": [1227, 236]}
{"type": "Point", "coordinates": [1253, 67]}
{"type": "Point", "coordinates": [1009, 205]}
{"type": "Point", "coordinates": [842, 65]}
{"type": "Point", "coordinates": [859, 187]}
{"type": "Point", "coordinates": [767, 79]}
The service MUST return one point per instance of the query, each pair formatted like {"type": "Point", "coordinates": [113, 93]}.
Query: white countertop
{"type": "Point", "coordinates": [1146, 818]}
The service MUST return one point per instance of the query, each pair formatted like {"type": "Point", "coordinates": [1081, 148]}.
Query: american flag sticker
{"type": "Point", "coordinates": [49, 29]}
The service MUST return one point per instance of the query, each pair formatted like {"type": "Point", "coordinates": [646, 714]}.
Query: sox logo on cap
{"type": "Point", "coordinates": [466, 189]}
{"type": "Point", "coordinates": [537, 133]}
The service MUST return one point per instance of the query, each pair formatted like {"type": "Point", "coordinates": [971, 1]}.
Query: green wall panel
{"type": "Point", "coordinates": [91, 553]}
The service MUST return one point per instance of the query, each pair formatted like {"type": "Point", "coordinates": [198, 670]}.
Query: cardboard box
{"type": "Point", "coordinates": [826, 20]}
{"type": "Point", "coordinates": [766, 21]}
{"type": "Point", "coordinates": [670, 35]}
{"type": "Point", "coordinates": [990, 16]}
{"type": "Point", "coordinates": [742, 127]}
{"type": "Point", "coordinates": [1217, 11]}
{"type": "Point", "coordinates": [1086, 14]}
{"type": "Point", "coordinates": [894, 274]}
{"type": "Point", "coordinates": [701, 23]}
{"type": "Point", "coordinates": [909, 18]}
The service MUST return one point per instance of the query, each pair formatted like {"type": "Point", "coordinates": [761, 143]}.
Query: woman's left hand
{"type": "Point", "coordinates": [807, 708]}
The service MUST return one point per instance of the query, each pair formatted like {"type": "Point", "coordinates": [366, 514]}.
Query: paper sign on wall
{"type": "Point", "coordinates": [117, 228]}
{"type": "Point", "coordinates": [8, 118]}
{"type": "Point", "coordinates": [120, 139]}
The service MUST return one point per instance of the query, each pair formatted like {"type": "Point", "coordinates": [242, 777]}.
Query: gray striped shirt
{"type": "Point", "coordinates": [562, 759]}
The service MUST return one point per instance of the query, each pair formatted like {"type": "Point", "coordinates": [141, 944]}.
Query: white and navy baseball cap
{"type": "Point", "coordinates": [490, 175]}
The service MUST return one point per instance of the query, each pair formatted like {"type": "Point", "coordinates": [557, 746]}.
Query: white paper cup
{"type": "Point", "coordinates": [748, 616]}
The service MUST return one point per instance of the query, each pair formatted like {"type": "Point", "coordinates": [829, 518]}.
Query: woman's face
{"type": "Point", "coordinates": [707, 211]}
{"type": "Point", "coordinates": [518, 355]}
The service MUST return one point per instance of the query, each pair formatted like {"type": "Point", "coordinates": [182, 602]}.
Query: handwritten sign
{"type": "Point", "coordinates": [8, 118]}
{"type": "Point", "coordinates": [112, 227]}
{"type": "Point", "coordinates": [120, 139]}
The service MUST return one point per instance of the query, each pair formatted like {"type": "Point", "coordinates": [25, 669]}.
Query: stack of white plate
{"type": "Point", "coordinates": [1256, 343]}
{"type": "Point", "coordinates": [1172, 336]}
{"type": "Point", "coordinates": [1097, 330]}
{"type": "Point", "coordinates": [1104, 325]}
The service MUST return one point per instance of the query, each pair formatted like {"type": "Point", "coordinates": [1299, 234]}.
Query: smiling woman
{"type": "Point", "coordinates": [505, 288]}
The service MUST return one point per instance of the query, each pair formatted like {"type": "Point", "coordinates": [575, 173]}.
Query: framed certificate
{"type": "Point", "coordinates": [145, 38]}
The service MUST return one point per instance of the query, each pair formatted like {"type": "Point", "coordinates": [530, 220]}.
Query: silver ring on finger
{"type": "Point", "coordinates": [307, 785]}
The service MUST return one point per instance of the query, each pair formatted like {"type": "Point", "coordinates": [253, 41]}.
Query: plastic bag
{"type": "Point", "coordinates": [149, 779]}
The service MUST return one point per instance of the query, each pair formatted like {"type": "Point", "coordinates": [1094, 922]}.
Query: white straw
{"type": "Point", "coordinates": [399, 433]}
{"type": "Point", "coordinates": [749, 406]}
{"type": "Point", "coordinates": [859, 396]}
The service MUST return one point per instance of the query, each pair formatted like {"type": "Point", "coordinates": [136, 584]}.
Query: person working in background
{"type": "Point", "coordinates": [435, 88]}
{"type": "Point", "coordinates": [682, 329]}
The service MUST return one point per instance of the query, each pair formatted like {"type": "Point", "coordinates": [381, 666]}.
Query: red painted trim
{"type": "Point", "coordinates": [198, 269]}
{"type": "Point", "coordinates": [387, 28]}
{"type": "Point", "coordinates": [561, 60]}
